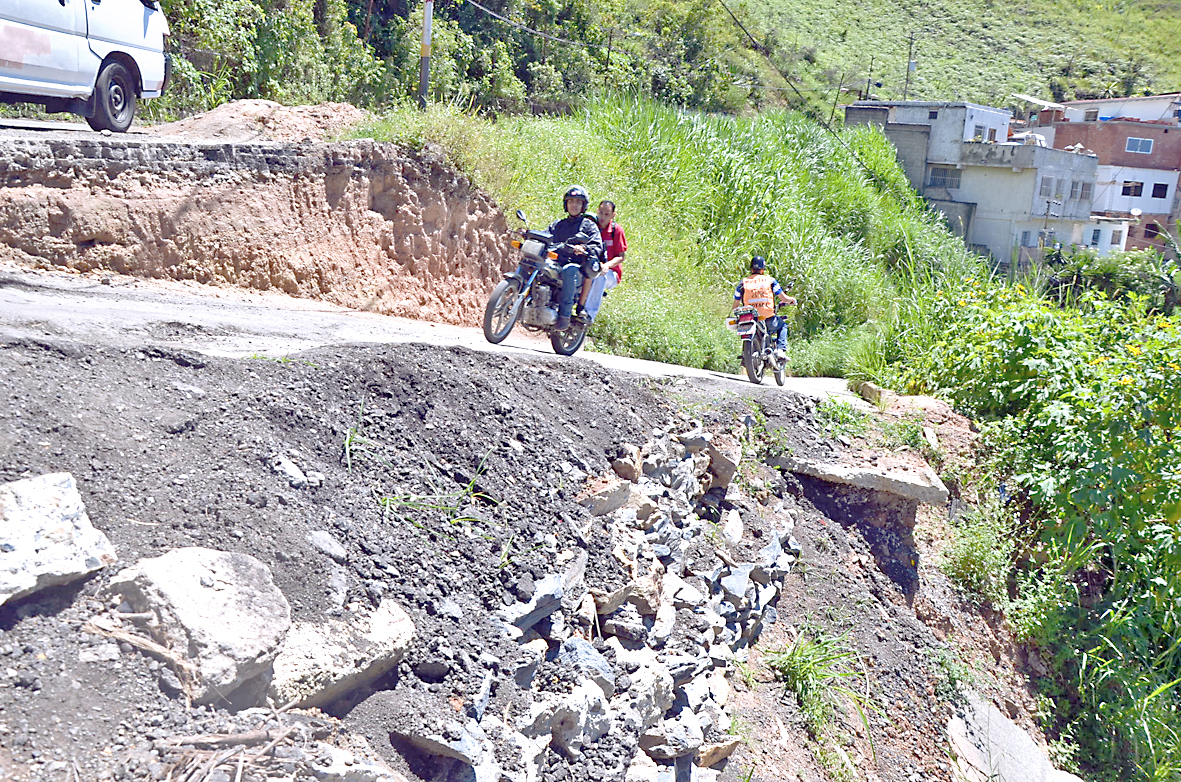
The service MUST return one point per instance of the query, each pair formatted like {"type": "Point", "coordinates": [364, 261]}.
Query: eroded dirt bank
{"type": "Point", "coordinates": [448, 481]}
{"type": "Point", "coordinates": [362, 224]}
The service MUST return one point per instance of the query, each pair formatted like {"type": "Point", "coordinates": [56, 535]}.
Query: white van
{"type": "Point", "coordinates": [89, 57]}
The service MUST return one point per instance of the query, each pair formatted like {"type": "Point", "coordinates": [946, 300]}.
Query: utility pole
{"type": "Point", "coordinates": [909, 66]}
{"type": "Point", "coordinates": [424, 63]}
{"type": "Point", "coordinates": [869, 78]}
{"type": "Point", "coordinates": [607, 72]}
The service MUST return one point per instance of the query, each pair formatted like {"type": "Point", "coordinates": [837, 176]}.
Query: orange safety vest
{"type": "Point", "coordinates": [756, 292]}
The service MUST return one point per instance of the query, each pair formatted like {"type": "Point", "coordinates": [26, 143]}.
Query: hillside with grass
{"type": "Point", "coordinates": [503, 57]}
{"type": "Point", "coordinates": [980, 50]}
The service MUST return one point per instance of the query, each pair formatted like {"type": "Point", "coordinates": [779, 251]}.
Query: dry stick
{"type": "Point", "coordinates": [274, 743]}
{"type": "Point", "coordinates": [214, 740]}
{"type": "Point", "coordinates": [241, 764]}
{"type": "Point", "coordinates": [97, 627]}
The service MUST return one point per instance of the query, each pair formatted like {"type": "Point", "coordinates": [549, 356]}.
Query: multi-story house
{"type": "Point", "coordinates": [1006, 198]}
{"type": "Point", "coordinates": [1138, 143]}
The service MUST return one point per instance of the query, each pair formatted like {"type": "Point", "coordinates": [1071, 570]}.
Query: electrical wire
{"type": "Point", "coordinates": [530, 30]}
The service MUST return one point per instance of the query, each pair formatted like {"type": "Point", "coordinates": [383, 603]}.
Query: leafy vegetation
{"type": "Point", "coordinates": [1084, 405]}
{"type": "Point", "coordinates": [806, 54]}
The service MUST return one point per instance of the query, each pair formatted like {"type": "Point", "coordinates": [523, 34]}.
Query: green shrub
{"type": "Point", "coordinates": [979, 556]}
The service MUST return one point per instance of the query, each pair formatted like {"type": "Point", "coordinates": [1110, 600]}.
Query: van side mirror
{"type": "Point", "coordinates": [521, 216]}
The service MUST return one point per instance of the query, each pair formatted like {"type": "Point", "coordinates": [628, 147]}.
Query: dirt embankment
{"type": "Point", "coordinates": [363, 224]}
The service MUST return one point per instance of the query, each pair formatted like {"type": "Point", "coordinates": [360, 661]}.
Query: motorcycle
{"type": "Point", "coordinates": [758, 352]}
{"type": "Point", "coordinates": [531, 293]}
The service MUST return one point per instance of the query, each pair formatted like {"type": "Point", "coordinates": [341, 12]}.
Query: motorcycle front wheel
{"type": "Point", "coordinates": [752, 362]}
{"type": "Point", "coordinates": [781, 372]}
{"type": "Point", "coordinates": [567, 343]}
{"type": "Point", "coordinates": [502, 311]}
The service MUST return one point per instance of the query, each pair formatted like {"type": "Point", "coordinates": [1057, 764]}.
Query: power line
{"type": "Point", "coordinates": [520, 26]}
{"type": "Point", "coordinates": [758, 47]}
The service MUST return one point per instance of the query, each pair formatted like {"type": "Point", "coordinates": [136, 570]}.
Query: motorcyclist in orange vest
{"type": "Point", "coordinates": [760, 290]}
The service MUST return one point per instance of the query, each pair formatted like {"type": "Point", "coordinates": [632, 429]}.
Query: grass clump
{"type": "Point", "coordinates": [979, 556]}
{"type": "Point", "coordinates": [813, 670]}
{"type": "Point", "coordinates": [838, 418]}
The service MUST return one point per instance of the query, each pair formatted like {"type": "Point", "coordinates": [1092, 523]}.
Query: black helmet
{"type": "Point", "coordinates": [576, 191]}
{"type": "Point", "coordinates": [758, 263]}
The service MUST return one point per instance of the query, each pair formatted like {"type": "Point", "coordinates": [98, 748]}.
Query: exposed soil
{"type": "Point", "coordinates": [450, 477]}
{"type": "Point", "coordinates": [362, 224]}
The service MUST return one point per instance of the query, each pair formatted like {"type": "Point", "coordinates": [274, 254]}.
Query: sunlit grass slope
{"type": "Point", "coordinates": [698, 196]}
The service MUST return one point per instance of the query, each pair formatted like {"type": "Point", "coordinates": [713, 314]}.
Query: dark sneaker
{"type": "Point", "coordinates": [562, 324]}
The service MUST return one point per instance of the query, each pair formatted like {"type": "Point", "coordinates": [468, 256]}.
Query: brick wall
{"type": "Point", "coordinates": [1109, 141]}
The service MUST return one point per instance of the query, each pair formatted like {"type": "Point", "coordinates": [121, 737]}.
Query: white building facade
{"type": "Point", "coordinates": [1006, 199]}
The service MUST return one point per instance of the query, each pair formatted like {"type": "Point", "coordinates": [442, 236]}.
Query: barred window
{"type": "Point", "coordinates": [1133, 188]}
{"type": "Point", "coordinates": [944, 176]}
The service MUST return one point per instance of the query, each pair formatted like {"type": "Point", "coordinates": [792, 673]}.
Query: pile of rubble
{"type": "Point", "coordinates": [641, 666]}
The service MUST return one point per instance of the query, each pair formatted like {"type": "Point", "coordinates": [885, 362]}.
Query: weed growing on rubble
{"type": "Point", "coordinates": [839, 418]}
{"type": "Point", "coordinates": [812, 670]}
{"type": "Point", "coordinates": [950, 672]}
{"type": "Point", "coordinates": [979, 555]}
{"type": "Point", "coordinates": [283, 360]}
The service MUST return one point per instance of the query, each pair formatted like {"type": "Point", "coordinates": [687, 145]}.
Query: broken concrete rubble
{"type": "Point", "coordinates": [221, 610]}
{"type": "Point", "coordinates": [46, 538]}
{"type": "Point", "coordinates": [320, 662]}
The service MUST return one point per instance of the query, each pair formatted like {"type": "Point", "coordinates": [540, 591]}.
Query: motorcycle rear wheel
{"type": "Point", "coordinates": [501, 313]}
{"type": "Point", "coordinates": [567, 343]}
{"type": "Point", "coordinates": [752, 362]}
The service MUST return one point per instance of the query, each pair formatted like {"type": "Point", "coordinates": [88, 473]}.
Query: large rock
{"type": "Point", "coordinates": [584, 658]}
{"type": "Point", "coordinates": [583, 717]}
{"type": "Point", "coordinates": [46, 538]}
{"type": "Point", "coordinates": [220, 610]}
{"type": "Point", "coordinates": [919, 483]}
{"type": "Point", "coordinates": [547, 598]}
{"type": "Point", "coordinates": [985, 745]}
{"type": "Point", "coordinates": [725, 454]}
{"type": "Point", "coordinates": [319, 662]}
{"type": "Point", "coordinates": [607, 498]}
{"type": "Point", "coordinates": [674, 738]}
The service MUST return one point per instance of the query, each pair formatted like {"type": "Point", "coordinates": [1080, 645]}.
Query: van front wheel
{"type": "Point", "coordinates": [114, 99]}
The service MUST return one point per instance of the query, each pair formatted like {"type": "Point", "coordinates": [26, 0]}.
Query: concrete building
{"type": "Point", "coordinates": [1006, 198]}
{"type": "Point", "coordinates": [1138, 143]}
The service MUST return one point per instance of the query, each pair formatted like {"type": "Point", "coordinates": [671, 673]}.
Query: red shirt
{"type": "Point", "coordinates": [614, 244]}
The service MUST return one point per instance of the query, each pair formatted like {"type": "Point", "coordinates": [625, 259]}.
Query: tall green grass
{"type": "Point", "coordinates": [698, 195]}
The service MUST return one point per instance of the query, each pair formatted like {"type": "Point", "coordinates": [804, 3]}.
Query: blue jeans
{"type": "Point", "coordinates": [775, 325]}
{"type": "Point", "coordinates": [571, 275]}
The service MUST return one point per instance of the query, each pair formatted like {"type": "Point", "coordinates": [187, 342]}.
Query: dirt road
{"type": "Point", "coordinates": [122, 311]}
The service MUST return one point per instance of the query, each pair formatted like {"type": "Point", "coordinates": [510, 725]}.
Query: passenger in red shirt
{"type": "Point", "coordinates": [614, 248]}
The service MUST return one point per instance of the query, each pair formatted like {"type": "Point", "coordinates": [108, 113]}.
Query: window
{"type": "Point", "coordinates": [944, 176]}
{"type": "Point", "coordinates": [1059, 188]}
{"type": "Point", "coordinates": [1116, 238]}
{"type": "Point", "coordinates": [1047, 186]}
{"type": "Point", "coordinates": [978, 133]}
{"type": "Point", "coordinates": [1074, 189]}
{"type": "Point", "coordinates": [1085, 192]}
{"type": "Point", "coordinates": [1142, 146]}
{"type": "Point", "coordinates": [1160, 190]}
{"type": "Point", "coordinates": [1091, 115]}
{"type": "Point", "coordinates": [1151, 230]}
{"type": "Point", "coordinates": [992, 134]}
{"type": "Point", "coordinates": [1095, 237]}
{"type": "Point", "coordinates": [932, 114]}
{"type": "Point", "coordinates": [1133, 188]}
{"type": "Point", "coordinates": [1025, 238]}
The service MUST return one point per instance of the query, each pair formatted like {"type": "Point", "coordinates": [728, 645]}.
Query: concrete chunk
{"type": "Point", "coordinates": [920, 484]}
{"type": "Point", "coordinates": [319, 662]}
{"type": "Point", "coordinates": [221, 610]}
{"type": "Point", "coordinates": [46, 538]}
